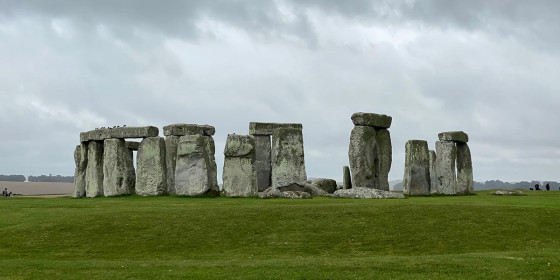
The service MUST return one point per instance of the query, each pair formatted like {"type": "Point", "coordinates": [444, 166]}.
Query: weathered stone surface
{"type": "Point", "coordinates": [80, 158]}
{"type": "Point", "coordinates": [457, 136]}
{"type": "Point", "coordinates": [182, 129]}
{"type": "Point", "coordinates": [383, 139]}
{"type": "Point", "coordinates": [240, 146]}
{"type": "Point", "coordinates": [358, 192]}
{"type": "Point", "coordinates": [171, 143]}
{"type": "Point", "coordinates": [288, 162]}
{"type": "Point", "coordinates": [193, 172]}
{"type": "Point", "coordinates": [346, 179]}
{"type": "Point", "coordinates": [273, 192]}
{"type": "Point", "coordinates": [327, 185]}
{"type": "Point", "coordinates": [508, 192]}
{"type": "Point", "coordinates": [152, 171]}
{"type": "Point", "coordinates": [259, 128]}
{"type": "Point", "coordinates": [309, 188]}
{"type": "Point", "coordinates": [445, 167]}
{"type": "Point", "coordinates": [94, 171]}
{"type": "Point", "coordinates": [416, 179]}
{"type": "Point", "coordinates": [117, 178]}
{"type": "Point", "coordinates": [213, 167]}
{"type": "Point", "coordinates": [465, 182]}
{"type": "Point", "coordinates": [132, 145]}
{"type": "Point", "coordinates": [372, 120]}
{"type": "Point", "coordinates": [119, 132]}
{"type": "Point", "coordinates": [263, 161]}
{"type": "Point", "coordinates": [129, 168]}
{"type": "Point", "coordinates": [363, 154]}
{"type": "Point", "coordinates": [433, 173]}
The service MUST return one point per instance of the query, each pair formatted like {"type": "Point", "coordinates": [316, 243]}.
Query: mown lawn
{"type": "Point", "coordinates": [471, 237]}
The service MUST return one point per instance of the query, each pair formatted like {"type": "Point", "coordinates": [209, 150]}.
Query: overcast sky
{"type": "Point", "coordinates": [489, 68]}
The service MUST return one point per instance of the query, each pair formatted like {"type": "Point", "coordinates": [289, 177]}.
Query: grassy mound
{"type": "Point", "coordinates": [471, 237]}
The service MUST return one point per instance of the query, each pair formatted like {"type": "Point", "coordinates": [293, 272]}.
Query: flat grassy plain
{"type": "Point", "coordinates": [470, 237]}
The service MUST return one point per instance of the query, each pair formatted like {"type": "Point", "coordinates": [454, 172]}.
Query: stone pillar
{"type": "Point", "coordinates": [117, 178]}
{"type": "Point", "coordinates": [363, 154]}
{"type": "Point", "coordinates": [240, 176]}
{"type": "Point", "coordinates": [94, 171]}
{"type": "Point", "coordinates": [288, 162]}
{"type": "Point", "coordinates": [151, 176]}
{"type": "Point", "coordinates": [346, 180]}
{"type": "Point", "coordinates": [383, 138]}
{"type": "Point", "coordinates": [171, 143]}
{"type": "Point", "coordinates": [445, 167]}
{"type": "Point", "coordinates": [416, 179]}
{"type": "Point", "coordinates": [433, 173]}
{"type": "Point", "coordinates": [465, 182]}
{"type": "Point", "coordinates": [263, 161]}
{"type": "Point", "coordinates": [80, 158]}
{"type": "Point", "coordinates": [212, 166]}
{"type": "Point", "coordinates": [193, 170]}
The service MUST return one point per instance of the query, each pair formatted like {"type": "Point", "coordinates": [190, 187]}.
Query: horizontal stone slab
{"type": "Point", "coordinates": [183, 129]}
{"type": "Point", "coordinates": [259, 128]}
{"type": "Point", "coordinates": [131, 145]}
{"type": "Point", "coordinates": [456, 136]}
{"type": "Point", "coordinates": [372, 119]}
{"type": "Point", "coordinates": [119, 133]}
{"type": "Point", "coordinates": [240, 146]}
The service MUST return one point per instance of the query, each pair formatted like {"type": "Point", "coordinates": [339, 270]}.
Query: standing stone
{"type": "Point", "coordinates": [346, 179]}
{"type": "Point", "coordinates": [465, 183]}
{"type": "Point", "coordinates": [212, 167]}
{"type": "Point", "coordinates": [117, 178]}
{"type": "Point", "coordinates": [363, 154]}
{"type": "Point", "coordinates": [129, 167]}
{"type": "Point", "coordinates": [445, 167]}
{"type": "Point", "coordinates": [263, 161]}
{"type": "Point", "coordinates": [383, 139]}
{"type": "Point", "coordinates": [171, 143]}
{"type": "Point", "coordinates": [416, 179]}
{"type": "Point", "coordinates": [325, 184]}
{"type": "Point", "coordinates": [151, 176]}
{"type": "Point", "coordinates": [240, 174]}
{"type": "Point", "coordinates": [80, 158]}
{"type": "Point", "coordinates": [433, 173]}
{"type": "Point", "coordinates": [94, 171]}
{"type": "Point", "coordinates": [288, 163]}
{"type": "Point", "coordinates": [193, 170]}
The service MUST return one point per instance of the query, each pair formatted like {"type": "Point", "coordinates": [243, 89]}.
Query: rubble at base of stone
{"type": "Point", "coordinates": [366, 193]}
{"type": "Point", "coordinates": [509, 192]}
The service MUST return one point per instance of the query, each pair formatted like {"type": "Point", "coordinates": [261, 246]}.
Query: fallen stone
{"type": "Point", "coordinates": [263, 161]}
{"type": "Point", "coordinates": [117, 178]}
{"type": "Point", "coordinates": [327, 185]}
{"type": "Point", "coordinates": [80, 158]}
{"type": "Point", "coordinates": [346, 179]}
{"type": "Point", "coordinates": [152, 171]}
{"type": "Point", "coordinates": [445, 167]}
{"type": "Point", "coordinates": [363, 154]}
{"type": "Point", "coordinates": [433, 173]}
{"type": "Point", "coordinates": [465, 181]}
{"type": "Point", "coordinates": [383, 139]}
{"type": "Point", "coordinates": [288, 162]}
{"type": "Point", "coordinates": [193, 170]}
{"type": "Point", "coordinates": [259, 128]}
{"type": "Point", "coordinates": [273, 192]}
{"type": "Point", "coordinates": [507, 192]}
{"type": "Point", "coordinates": [240, 175]}
{"type": "Point", "coordinates": [456, 136]}
{"type": "Point", "coordinates": [359, 192]}
{"type": "Point", "coordinates": [132, 145]}
{"type": "Point", "coordinates": [416, 179]}
{"type": "Point", "coordinates": [119, 132]}
{"type": "Point", "coordinates": [94, 171]}
{"type": "Point", "coordinates": [372, 120]}
{"type": "Point", "coordinates": [182, 129]}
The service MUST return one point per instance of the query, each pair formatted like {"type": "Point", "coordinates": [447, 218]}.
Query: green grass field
{"type": "Point", "coordinates": [470, 237]}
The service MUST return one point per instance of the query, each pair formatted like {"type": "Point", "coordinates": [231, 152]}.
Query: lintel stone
{"type": "Point", "coordinates": [183, 129]}
{"type": "Point", "coordinates": [260, 128]}
{"type": "Point", "coordinates": [131, 145]}
{"type": "Point", "coordinates": [371, 119]}
{"type": "Point", "coordinates": [119, 133]}
{"type": "Point", "coordinates": [456, 136]}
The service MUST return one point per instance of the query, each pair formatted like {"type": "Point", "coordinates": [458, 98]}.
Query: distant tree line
{"type": "Point", "coordinates": [12, 178]}
{"type": "Point", "coordinates": [42, 178]}
{"type": "Point", "coordinates": [497, 184]}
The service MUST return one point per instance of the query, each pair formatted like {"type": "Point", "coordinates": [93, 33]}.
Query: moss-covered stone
{"type": "Point", "coordinates": [433, 172]}
{"type": "Point", "coordinates": [465, 182]}
{"type": "Point", "coordinates": [195, 171]}
{"type": "Point", "coordinates": [363, 154]}
{"type": "Point", "coordinates": [119, 133]}
{"type": "Point", "coordinates": [288, 161]}
{"type": "Point", "coordinates": [416, 180]}
{"type": "Point", "coordinates": [240, 146]}
{"type": "Point", "coordinates": [445, 167]}
{"type": "Point", "coordinates": [183, 129]}
{"type": "Point", "coordinates": [371, 119]}
{"type": "Point", "coordinates": [118, 179]}
{"type": "Point", "coordinates": [383, 139]}
{"type": "Point", "coordinates": [346, 178]}
{"type": "Point", "coordinates": [456, 136]}
{"type": "Point", "coordinates": [259, 128]}
{"type": "Point", "coordinates": [152, 171]}
{"type": "Point", "coordinates": [94, 171]}
{"type": "Point", "coordinates": [80, 158]}
{"type": "Point", "coordinates": [263, 161]}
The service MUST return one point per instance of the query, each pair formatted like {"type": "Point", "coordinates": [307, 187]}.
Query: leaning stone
{"type": "Point", "coordinates": [445, 167]}
{"type": "Point", "coordinates": [240, 146]}
{"type": "Point", "coordinates": [258, 128]}
{"type": "Point", "coordinates": [182, 129]}
{"type": "Point", "coordinates": [363, 154]}
{"type": "Point", "coordinates": [383, 139]}
{"type": "Point", "coordinates": [358, 192]}
{"type": "Point", "coordinates": [94, 171]}
{"type": "Point", "coordinates": [132, 145]}
{"type": "Point", "coordinates": [346, 179]}
{"type": "Point", "coordinates": [80, 158]}
{"type": "Point", "coordinates": [371, 119]}
{"type": "Point", "coordinates": [119, 132]}
{"type": "Point", "coordinates": [263, 161]}
{"type": "Point", "coordinates": [465, 182]}
{"type": "Point", "coordinates": [288, 162]}
{"type": "Point", "coordinates": [117, 178]}
{"type": "Point", "coordinates": [433, 173]}
{"type": "Point", "coordinates": [240, 176]}
{"type": "Point", "coordinates": [416, 179]}
{"type": "Point", "coordinates": [457, 136]}
{"type": "Point", "coordinates": [171, 143]}
{"type": "Point", "coordinates": [152, 171]}
{"type": "Point", "coordinates": [327, 185]}
{"type": "Point", "coordinates": [193, 170]}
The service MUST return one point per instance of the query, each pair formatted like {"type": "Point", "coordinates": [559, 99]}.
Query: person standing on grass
{"type": "Point", "coordinates": [5, 192]}
{"type": "Point", "coordinates": [547, 186]}
{"type": "Point", "coordinates": [537, 187]}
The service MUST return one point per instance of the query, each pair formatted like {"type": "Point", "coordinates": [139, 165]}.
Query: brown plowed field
{"type": "Point", "coordinates": [34, 188]}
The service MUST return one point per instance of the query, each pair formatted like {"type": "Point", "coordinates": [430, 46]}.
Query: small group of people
{"type": "Point", "coordinates": [5, 193]}
{"type": "Point", "coordinates": [538, 188]}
